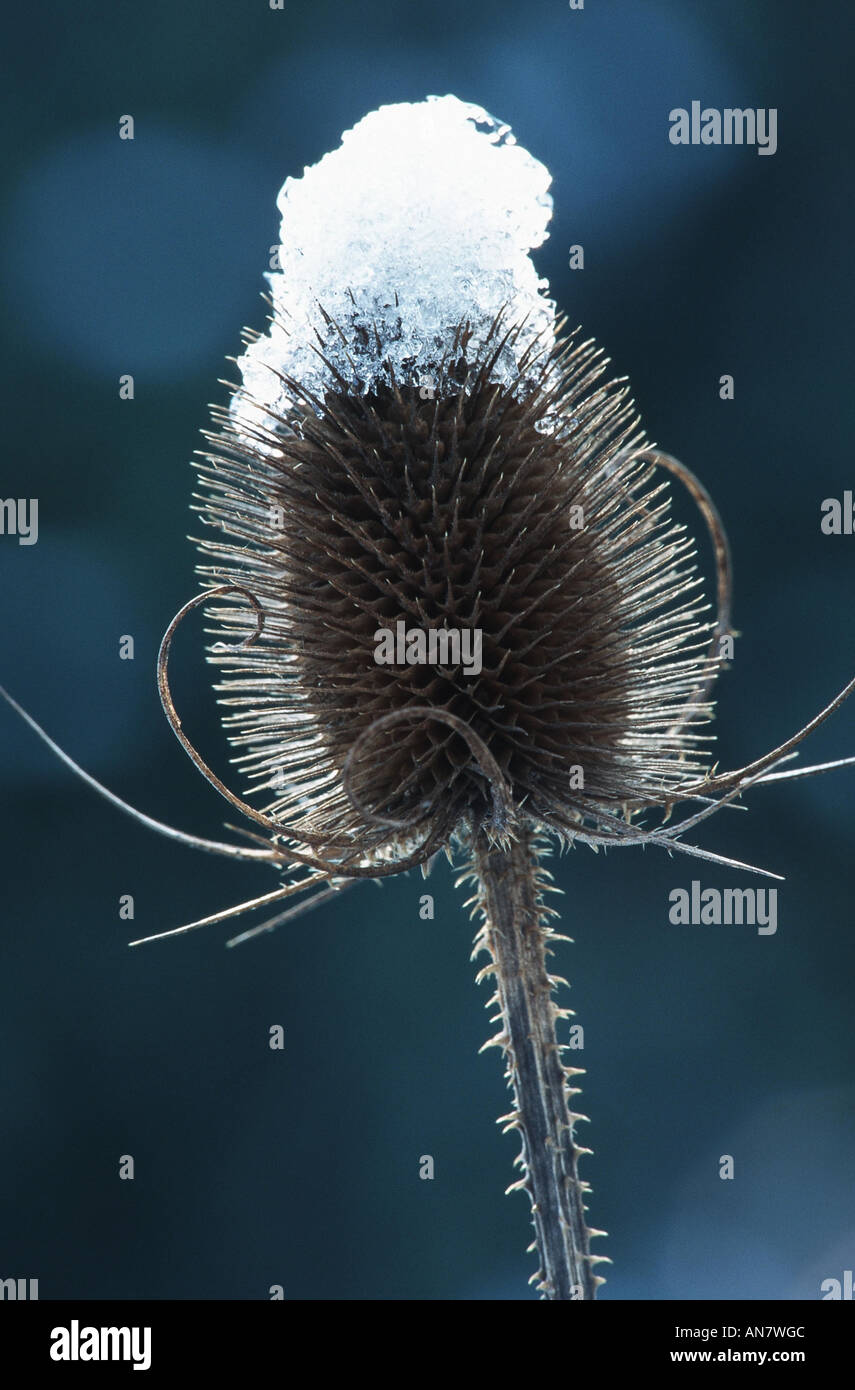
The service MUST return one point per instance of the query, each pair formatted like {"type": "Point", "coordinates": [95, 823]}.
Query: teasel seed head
{"type": "Point", "coordinates": [530, 516]}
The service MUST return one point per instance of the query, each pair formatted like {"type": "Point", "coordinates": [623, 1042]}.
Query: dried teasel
{"type": "Point", "coordinates": [416, 447]}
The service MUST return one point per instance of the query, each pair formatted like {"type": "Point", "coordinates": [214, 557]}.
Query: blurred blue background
{"type": "Point", "coordinates": [300, 1167]}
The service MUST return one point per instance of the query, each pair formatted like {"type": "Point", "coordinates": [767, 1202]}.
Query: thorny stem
{"type": "Point", "coordinates": [515, 933]}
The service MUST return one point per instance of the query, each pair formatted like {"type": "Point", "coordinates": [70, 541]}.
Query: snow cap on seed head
{"type": "Point", "coordinates": [422, 219]}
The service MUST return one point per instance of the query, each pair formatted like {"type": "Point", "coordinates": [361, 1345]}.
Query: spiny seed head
{"type": "Point", "coordinates": [524, 514]}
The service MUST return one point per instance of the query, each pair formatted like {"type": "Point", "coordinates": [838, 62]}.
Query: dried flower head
{"type": "Point", "coordinates": [457, 512]}
{"type": "Point", "coordinates": [413, 443]}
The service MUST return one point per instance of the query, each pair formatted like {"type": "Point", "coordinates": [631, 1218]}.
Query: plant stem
{"type": "Point", "coordinates": [509, 894]}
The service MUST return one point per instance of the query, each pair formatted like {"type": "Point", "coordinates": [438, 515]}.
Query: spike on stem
{"type": "Point", "coordinates": [514, 934]}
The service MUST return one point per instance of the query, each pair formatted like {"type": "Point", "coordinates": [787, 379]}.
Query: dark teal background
{"type": "Point", "coordinates": [300, 1167]}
